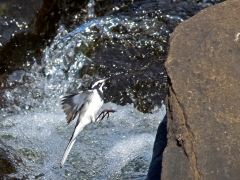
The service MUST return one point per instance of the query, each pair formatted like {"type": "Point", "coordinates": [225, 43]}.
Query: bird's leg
{"type": "Point", "coordinates": [104, 113]}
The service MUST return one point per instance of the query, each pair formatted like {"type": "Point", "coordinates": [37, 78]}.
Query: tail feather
{"type": "Point", "coordinates": [69, 147]}
{"type": "Point", "coordinates": [79, 127]}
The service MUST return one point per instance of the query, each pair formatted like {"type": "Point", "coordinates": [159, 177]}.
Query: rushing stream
{"type": "Point", "coordinates": [129, 45]}
{"type": "Point", "coordinates": [118, 148]}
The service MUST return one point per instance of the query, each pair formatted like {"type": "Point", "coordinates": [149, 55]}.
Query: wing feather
{"type": "Point", "coordinates": [73, 104]}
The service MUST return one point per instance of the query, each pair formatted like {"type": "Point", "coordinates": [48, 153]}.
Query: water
{"type": "Point", "coordinates": [118, 148]}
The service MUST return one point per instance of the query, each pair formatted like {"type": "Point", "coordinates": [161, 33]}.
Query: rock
{"type": "Point", "coordinates": [27, 27]}
{"type": "Point", "coordinates": [203, 101]}
{"type": "Point", "coordinates": [10, 161]}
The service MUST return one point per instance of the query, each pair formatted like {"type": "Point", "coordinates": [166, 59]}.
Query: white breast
{"type": "Point", "coordinates": [96, 104]}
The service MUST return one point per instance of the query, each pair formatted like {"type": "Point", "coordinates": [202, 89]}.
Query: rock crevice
{"type": "Point", "coordinates": [182, 133]}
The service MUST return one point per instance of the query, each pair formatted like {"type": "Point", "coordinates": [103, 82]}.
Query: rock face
{"type": "Point", "coordinates": [203, 107]}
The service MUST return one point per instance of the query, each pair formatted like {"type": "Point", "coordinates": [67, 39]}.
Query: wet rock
{"type": "Point", "coordinates": [203, 101]}
{"type": "Point", "coordinates": [10, 161]}
{"type": "Point", "coordinates": [28, 27]}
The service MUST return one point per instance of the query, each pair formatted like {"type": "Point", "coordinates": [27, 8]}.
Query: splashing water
{"type": "Point", "coordinates": [139, 41]}
{"type": "Point", "coordinates": [119, 147]}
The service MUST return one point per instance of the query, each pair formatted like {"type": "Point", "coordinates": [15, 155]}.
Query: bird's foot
{"type": "Point", "coordinates": [103, 114]}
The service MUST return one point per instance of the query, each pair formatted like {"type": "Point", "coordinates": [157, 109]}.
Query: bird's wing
{"type": "Point", "coordinates": [73, 104]}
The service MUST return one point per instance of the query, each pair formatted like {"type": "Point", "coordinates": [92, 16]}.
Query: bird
{"type": "Point", "coordinates": [84, 105]}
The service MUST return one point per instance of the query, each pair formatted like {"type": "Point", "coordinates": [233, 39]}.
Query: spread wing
{"type": "Point", "coordinates": [73, 104]}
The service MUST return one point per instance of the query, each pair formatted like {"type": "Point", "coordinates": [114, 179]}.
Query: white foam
{"type": "Point", "coordinates": [101, 150]}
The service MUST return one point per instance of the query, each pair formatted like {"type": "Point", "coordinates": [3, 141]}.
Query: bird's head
{"type": "Point", "coordinates": [97, 84]}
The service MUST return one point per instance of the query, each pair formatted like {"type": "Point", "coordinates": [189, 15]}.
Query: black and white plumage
{"type": "Point", "coordinates": [83, 105]}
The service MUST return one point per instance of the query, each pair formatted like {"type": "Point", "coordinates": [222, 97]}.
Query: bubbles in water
{"type": "Point", "coordinates": [119, 146]}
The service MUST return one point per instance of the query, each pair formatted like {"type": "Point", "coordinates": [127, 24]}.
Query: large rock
{"type": "Point", "coordinates": [204, 102]}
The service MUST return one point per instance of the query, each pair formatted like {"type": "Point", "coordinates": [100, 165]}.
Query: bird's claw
{"type": "Point", "coordinates": [104, 113]}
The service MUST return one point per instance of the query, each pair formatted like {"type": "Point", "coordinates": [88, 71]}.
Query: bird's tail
{"type": "Point", "coordinates": [69, 147]}
{"type": "Point", "coordinates": [79, 127]}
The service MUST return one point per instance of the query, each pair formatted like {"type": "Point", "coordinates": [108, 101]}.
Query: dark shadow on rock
{"type": "Point", "coordinates": [154, 172]}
